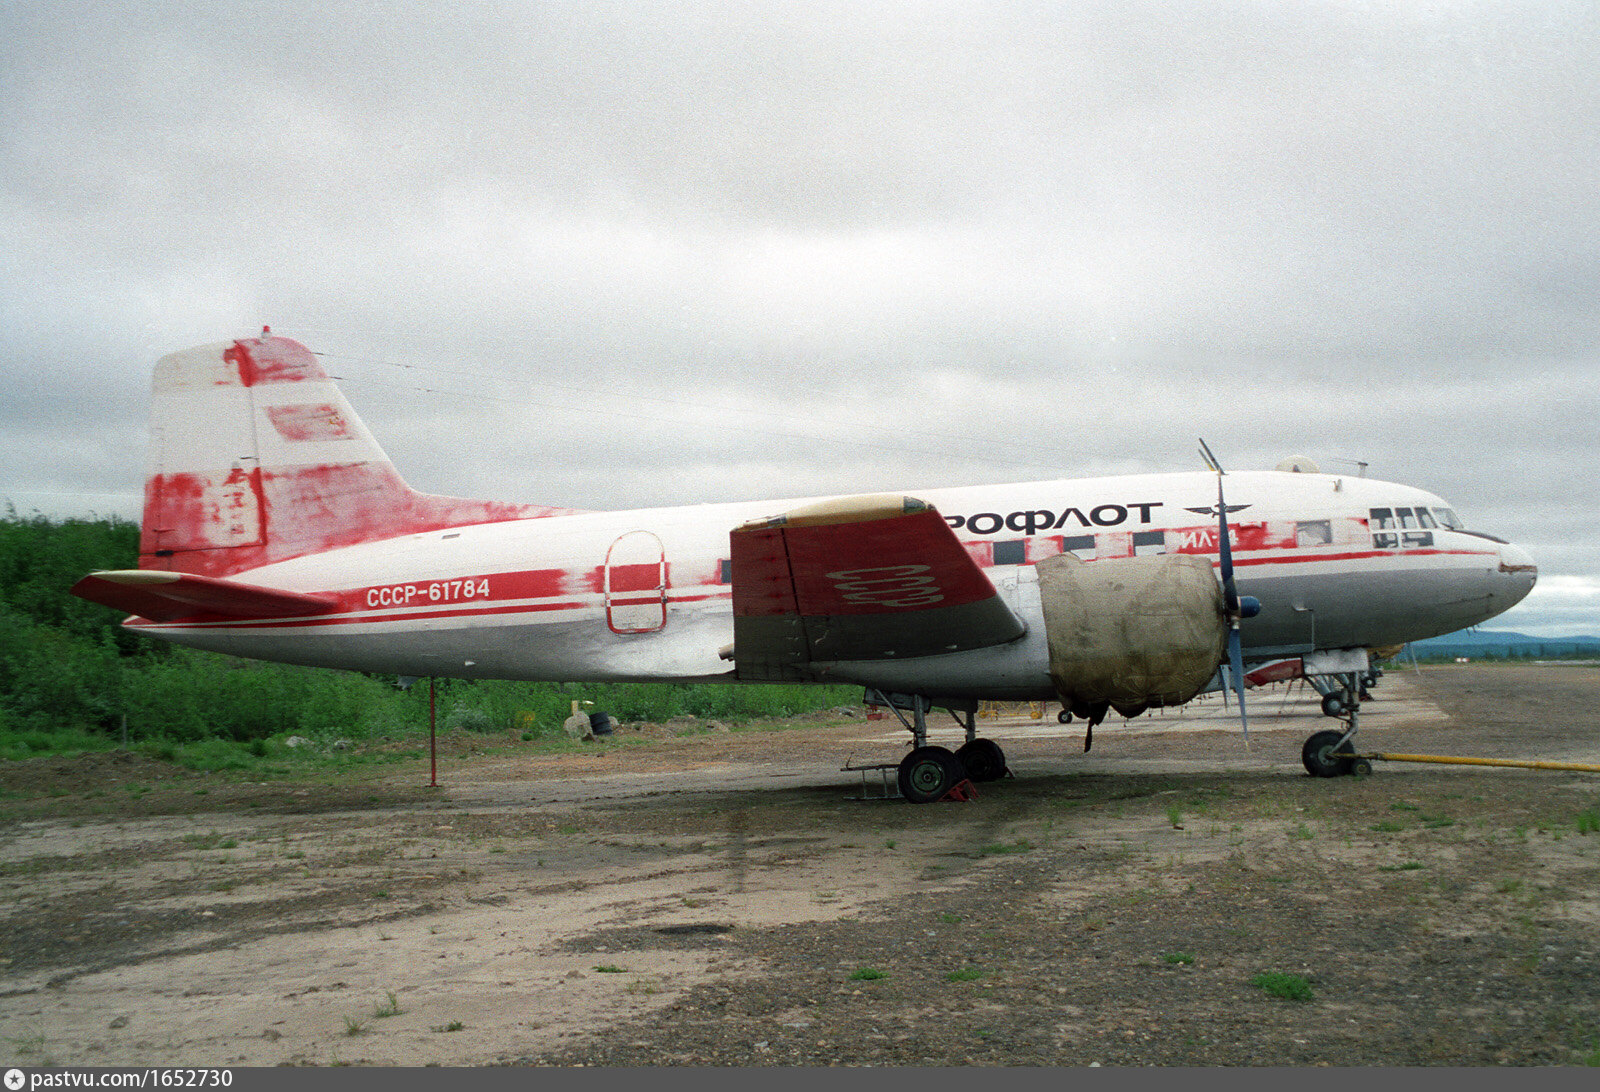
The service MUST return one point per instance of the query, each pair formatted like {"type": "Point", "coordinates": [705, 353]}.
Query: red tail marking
{"type": "Point", "coordinates": [318, 422]}
{"type": "Point", "coordinates": [273, 360]}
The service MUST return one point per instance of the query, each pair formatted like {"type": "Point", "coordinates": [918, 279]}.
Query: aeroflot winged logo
{"type": "Point", "coordinates": [1045, 519]}
{"type": "Point", "coordinates": [1211, 511]}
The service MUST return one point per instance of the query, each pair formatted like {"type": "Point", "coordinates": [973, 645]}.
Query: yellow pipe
{"type": "Point", "coordinates": [1516, 762]}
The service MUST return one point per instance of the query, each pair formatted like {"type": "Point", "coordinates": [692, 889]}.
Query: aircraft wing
{"type": "Point", "coordinates": [858, 578]}
{"type": "Point", "coordinates": [166, 597]}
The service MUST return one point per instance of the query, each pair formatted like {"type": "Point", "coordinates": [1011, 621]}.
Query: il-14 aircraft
{"type": "Point", "coordinates": [275, 527]}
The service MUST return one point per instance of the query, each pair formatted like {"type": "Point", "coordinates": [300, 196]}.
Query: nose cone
{"type": "Point", "coordinates": [1517, 576]}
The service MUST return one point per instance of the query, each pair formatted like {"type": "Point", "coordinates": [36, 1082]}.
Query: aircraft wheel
{"type": "Point", "coordinates": [983, 760]}
{"type": "Point", "coordinates": [1064, 717]}
{"type": "Point", "coordinates": [1333, 706]}
{"type": "Point", "coordinates": [927, 773]}
{"type": "Point", "coordinates": [1320, 758]}
{"type": "Point", "coordinates": [1361, 768]}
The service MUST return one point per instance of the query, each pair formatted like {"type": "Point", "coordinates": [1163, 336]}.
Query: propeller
{"type": "Point", "coordinates": [1235, 606]}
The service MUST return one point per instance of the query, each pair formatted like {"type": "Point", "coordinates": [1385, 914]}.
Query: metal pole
{"type": "Point", "coordinates": [1513, 762]}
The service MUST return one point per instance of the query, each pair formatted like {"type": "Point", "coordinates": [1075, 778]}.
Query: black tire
{"type": "Point", "coordinates": [927, 773]}
{"type": "Point", "coordinates": [1320, 758]}
{"type": "Point", "coordinates": [982, 759]}
{"type": "Point", "coordinates": [1064, 717]}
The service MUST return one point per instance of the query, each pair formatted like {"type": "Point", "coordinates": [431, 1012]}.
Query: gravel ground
{"type": "Point", "coordinates": [714, 899]}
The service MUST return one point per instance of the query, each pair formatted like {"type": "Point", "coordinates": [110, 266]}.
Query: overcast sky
{"type": "Point", "coordinates": [619, 254]}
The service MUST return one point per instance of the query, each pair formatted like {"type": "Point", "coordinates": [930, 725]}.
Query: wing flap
{"type": "Point", "coordinates": [167, 596]}
{"type": "Point", "coordinates": [860, 578]}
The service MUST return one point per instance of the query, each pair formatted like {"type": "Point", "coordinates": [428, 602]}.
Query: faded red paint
{"type": "Point", "coordinates": [273, 360]}
{"type": "Point", "coordinates": [218, 521]}
{"type": "Point", "coordinates": [885, 566]}
{"type": "Point", "coordinates": [1262, 536]}
{"type": "Point", "coordinates": [308, 422]}
{"type": "Point", "coordinates": [192, 523]}
{"type": "Point", "coordinates": [193, 512]}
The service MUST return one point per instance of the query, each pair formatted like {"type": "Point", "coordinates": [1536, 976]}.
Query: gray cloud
{"type": "Point", "coordinates": [766, 249]}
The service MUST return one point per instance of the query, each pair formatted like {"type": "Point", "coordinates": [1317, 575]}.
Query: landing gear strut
{"type": "Point", "coordinates": [929, 773]}
{"type": "Point", "coordinates": [1331, 753]}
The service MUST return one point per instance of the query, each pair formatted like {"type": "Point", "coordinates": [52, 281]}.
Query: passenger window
{"type": "Point", "coordinates": [1317, 532]}
{"type": "Point", "coordinates": [1386, 541]}
{"type": "Point", "coordinates": [725, 571]}
{"type": "Point", "coordinates": [1149, 542]}
{"type": "Point", "coordinates": [1080, 546]}
{"type": "Point", "coordinates": [1382, 519]}
{"type": "Point", "coordinates": [1417, 538]}
{"type": "Point", "coordinates": [1010, 553]}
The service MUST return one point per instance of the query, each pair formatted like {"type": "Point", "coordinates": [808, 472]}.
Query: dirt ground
{"type": "Point", "coordinates": [716, 898]}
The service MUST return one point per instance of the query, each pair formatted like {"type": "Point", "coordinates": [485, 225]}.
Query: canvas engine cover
{"type": "Point", "coordinates": [1132, 632]}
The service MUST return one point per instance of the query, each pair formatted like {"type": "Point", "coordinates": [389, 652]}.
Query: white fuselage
{"type": "Point", "coordinates": [646, 594]}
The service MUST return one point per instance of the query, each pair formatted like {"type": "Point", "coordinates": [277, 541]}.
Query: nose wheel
{"type": "Point", "coordinates": [1331, 753]}
{"type": "Point", "coordinates": [1326, 754]}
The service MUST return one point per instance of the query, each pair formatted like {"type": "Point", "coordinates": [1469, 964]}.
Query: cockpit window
{"type": "Point", "coordinates": [1409, 519]}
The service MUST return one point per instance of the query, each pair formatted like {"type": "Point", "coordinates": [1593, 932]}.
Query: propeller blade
{"type": "Point", "coordinates": [1236, 662]}
{"type": "Point", "coordinates": [1236, 608]}
{"type": "Point", "coordinates": [1230, 591]}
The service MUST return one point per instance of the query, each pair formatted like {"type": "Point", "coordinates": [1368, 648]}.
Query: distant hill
{"type": "Point", "coordinates": [1504, 645]}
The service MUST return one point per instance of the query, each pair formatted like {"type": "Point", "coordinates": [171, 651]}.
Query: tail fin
{"type": "Point", "coordinates": [256, 457]}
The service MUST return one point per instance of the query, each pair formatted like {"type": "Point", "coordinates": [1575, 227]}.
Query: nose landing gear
{"type": "Point", "coordinates": [1331, 753]}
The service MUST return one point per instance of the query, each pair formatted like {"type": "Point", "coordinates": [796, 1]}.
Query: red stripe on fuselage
{"type": "Point", "coordinates": [509, 593]}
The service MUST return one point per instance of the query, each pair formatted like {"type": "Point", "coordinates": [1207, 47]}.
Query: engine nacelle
{"type": "Point", "coordinates": [1131, 633]}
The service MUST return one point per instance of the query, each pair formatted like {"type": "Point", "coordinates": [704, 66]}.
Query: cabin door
{"type": "Point", "coordinates": [636, 584]}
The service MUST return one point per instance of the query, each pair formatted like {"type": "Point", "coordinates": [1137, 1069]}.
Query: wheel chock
{"type": "Point", "coordinates": [962, 791]}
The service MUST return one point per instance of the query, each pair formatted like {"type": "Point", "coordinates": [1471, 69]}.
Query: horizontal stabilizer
{"type": "Point", "coordinates": [166, 597]}
{"type": "Point", "coordinates": [858, 578]}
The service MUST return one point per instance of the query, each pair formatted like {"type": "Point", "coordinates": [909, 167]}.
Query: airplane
{"type": "Point", "coordinates": [275, 527]}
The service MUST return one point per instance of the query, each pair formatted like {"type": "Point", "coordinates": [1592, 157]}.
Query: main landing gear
{"type": "Point", "coordinates": [1332, 753]}
{"type": "Point", "coordinates": [931, 772]}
